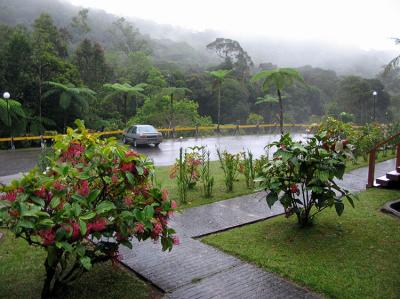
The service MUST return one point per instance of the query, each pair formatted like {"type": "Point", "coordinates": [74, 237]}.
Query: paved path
{"type": "Point", "coordinates": [196, 270]}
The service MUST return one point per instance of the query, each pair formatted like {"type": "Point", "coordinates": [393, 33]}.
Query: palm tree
{"type": "Point", "coordinates": [278, 78]}
{"type": "Point", "coordinates": [13, 116]}
{"type": "Point", "coordinates": [394, 62]}
{"type": "Point", "coordinates": [126, 91]}
{"type": "Point", "coordinates": [174, 92]}
{"type": "Point", "coordinates": [69, 94]}
{"type": "Point", "coordinates": [219, 77]}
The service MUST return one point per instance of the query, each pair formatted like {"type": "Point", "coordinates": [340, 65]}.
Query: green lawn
{"type": "Point", "coordinates": [195, 197]}
{"type": "Point", "coordinates": [352, 256]}
{"type": "Point", "coordinates": [22, 273]}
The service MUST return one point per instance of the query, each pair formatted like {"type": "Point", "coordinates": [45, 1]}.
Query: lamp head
{"type": "Point", "coordinates": [6, 95]}
{"type": "Point", "coordinates": [374, 93]}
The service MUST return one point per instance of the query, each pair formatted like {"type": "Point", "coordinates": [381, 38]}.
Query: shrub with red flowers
{"type": "Point", "coordinates": [95, 196]}
{"type": "Point", "coordinates": [302, 176]}
{"type": "Point", "coordinates": [191, 160]}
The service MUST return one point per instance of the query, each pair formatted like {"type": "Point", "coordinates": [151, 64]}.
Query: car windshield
{"type": "Point", "coordinates": [146, 129]}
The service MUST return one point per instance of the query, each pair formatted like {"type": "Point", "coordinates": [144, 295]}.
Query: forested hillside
{"type": "Point", "coordinates": [61, 62]}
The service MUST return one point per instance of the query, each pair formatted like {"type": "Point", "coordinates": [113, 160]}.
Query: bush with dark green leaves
{"type": "Point", "coordinates": [303, 176]}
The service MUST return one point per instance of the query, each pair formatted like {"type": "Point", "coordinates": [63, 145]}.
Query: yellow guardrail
{"type": "Point", "coordinates": [178, 129]}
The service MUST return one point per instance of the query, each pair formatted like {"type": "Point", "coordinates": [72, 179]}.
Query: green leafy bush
{"type": "Point", "coordinates": [94, 196]}
{"type": "Point", "coordinates": [247, 167]}
{"type": "Point", "coordinates": [302, 176]}
{"type": "Point", "coordinates": [207, 180]}
{"type": "Point", "coordinates": [230, 166]}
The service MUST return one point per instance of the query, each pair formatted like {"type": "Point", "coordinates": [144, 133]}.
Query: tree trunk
{"type": "Point", "coordinates": [47, 290]}
{"type": "Point", "coordinates": [125, 109]}
{"type": "Point", "coordinates": [40, 95]}
{"type": "Point", "coordinates": [219, 105]}
{"type": "Point", "coordinates": [280, 111]}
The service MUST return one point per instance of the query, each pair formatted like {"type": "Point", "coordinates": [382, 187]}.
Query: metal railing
{"type": "Point", "coordinates": [196, 129]}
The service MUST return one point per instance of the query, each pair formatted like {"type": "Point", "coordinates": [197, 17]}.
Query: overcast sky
{"type": "Point", "coordinates": [367, 24]}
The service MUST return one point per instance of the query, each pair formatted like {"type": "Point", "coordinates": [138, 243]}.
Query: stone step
{"type": "Point", "coordinates": [383, 181]}
{"type": "Point", "coordinates": [393, 175]}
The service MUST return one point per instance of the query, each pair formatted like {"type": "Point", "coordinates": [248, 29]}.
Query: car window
{"type": "Point", "coordinates": [146, 129]}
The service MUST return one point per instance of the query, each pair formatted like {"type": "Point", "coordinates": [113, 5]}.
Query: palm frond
{"type": "Point", "coordinates": [56, 85]}
{"type": "Point", "coordinates": [220, 74]}
{"type": "Point", "coordinates": [267, 99]}
{"type": "Point", "coordinates": [65, 100]}
{"type": "Point", "coordinates": [50, 92]}
{"type": "Point", "coordinates": [391, 65]}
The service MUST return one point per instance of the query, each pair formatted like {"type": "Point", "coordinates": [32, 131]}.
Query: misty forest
{"type": "Point", "coordinates": [68, 63]}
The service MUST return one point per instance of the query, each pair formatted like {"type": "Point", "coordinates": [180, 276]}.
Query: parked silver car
{"type": "Point", "coordinates": [142, 134]}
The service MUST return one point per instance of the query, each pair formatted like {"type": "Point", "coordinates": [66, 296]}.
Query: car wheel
{"type": "Point", "coordinates": [124, 140]}
{"type": "Point", "coordinates": [134, 143]}
{"type": "Point", "coordinates": [156, 144]}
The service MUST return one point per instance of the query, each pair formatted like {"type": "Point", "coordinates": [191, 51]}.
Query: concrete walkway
{"type": "Point", "coordinates": [196, 270]}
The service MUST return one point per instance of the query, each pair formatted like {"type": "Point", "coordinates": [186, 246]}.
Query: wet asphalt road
{"type": "Point", "coordinates": [21, 160]}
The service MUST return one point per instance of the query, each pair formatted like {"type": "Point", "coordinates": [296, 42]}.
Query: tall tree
{"type": "Point", "coordinates": [18, 63]}
{"type": "Point", "coordinates": [126, 92]}
{"type": "Point", "coordinates": [127, 38]}
{"type": "Point", "coordinates": [91, 64]}
{"type": "Point", "coordinates": [235, 57]}
{"type": "Point", "coordinates": [219, 77]}
{"type": "Point", "coordinates": [49, 50]}
{"type": "Point", "coordinates": [79, 24]}
{"type": "Point", "coordinates": [69, 95]}
{"type": "Point", "coordinates": [279, 79]}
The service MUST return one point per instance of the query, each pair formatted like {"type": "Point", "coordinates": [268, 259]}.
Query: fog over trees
{"type": "Point", "coordinates": [53, 41]}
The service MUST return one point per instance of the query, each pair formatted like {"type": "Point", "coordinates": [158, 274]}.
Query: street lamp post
{"type": "Point", "coordinates": [374, 94]}
{"type": "Point", "coordinates": [6, 96]}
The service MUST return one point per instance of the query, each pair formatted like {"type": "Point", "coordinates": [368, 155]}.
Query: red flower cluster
{"type": "Point", "coordinates": [74, 226]}
{"type": "Point", "coordinates": [126, 166]}
{"type": "Point", "coordinates": [176, 240]}
{"type": "Point", "coordinates": [131, 153]}
{"type": "Point", "coordinates": [139, 228]}
{"type": "Point", "coordinates": [84, 189]}
{"type": "Point", "coordinates": [294, 188]}
{"type": "Point", "coordinates": [9, 196]}
{"type": "Point", "coordinates": [173, 204]}
{"type": "Point", "coordinates": [164, 195]}
{"type": "Point", "coordinates": [157, 229]}
{"type": "Point", "coordinates": [43, 193]}
{"type": "Point", "coordinates": [98, 225]}
{"type": "Point", "coordinates": [74, 151]}
{"type": "Point", "coordinates": [58, 186]}
{"type": "Point", "coordinates": [114, 179]}
{"type": "Point", "coordinates": [128, 201]}
{"type": "Point", "coordinates": [48, 236]}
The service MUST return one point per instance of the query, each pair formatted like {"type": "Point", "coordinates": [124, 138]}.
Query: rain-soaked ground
{"type": "Point", "coordinates": [21, 160]}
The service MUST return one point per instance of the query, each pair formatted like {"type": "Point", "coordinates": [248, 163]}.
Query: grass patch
{"type": "Point", "coordinates": [195, 196]}
{"type": "Point", "coordinates": [22, 274]}
{"type": "Point", "coordinates": [352, 256]}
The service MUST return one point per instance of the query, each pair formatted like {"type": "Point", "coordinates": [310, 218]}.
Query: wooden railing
{"type": "Point", "coordinates": [372, 158]}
